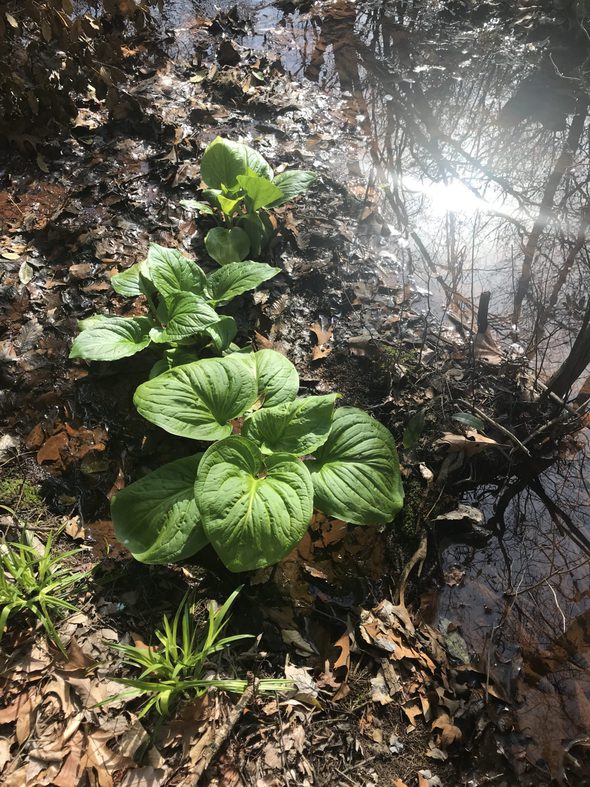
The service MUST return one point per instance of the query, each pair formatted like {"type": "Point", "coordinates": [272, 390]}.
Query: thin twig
{"type": "Point", "coordinates": [495, 424]}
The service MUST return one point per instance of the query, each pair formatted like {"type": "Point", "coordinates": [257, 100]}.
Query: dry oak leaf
{"type": "Point", "coordinates": [449, 732]}
{"type": "Point", "coordinates": [472, 442]}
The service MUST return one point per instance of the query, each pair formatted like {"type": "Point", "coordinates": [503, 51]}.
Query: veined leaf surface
{"type": "Point", "coordinates": [156, 517]}
{"type": "Point", "coordinates": [236, 278]}
{"type": "Point", "coordinates": [276, 377]}
{"type": "Point", "coordinates": [356, 472]}
{"type": "Point", "coordinates": [199, 399]}
{"type": "Point", "coordinates": [187, 315]}
{"type": "Point", "coordinates": [127, 282]}
{"type": "Point", "coordinates": [291, 183]}
{"type": "Point", "coordinates": [298, 427]}
{"type": "Point", "coordinates": [172, 272]}
{"type": "Point", "coordinates": [112, 338]}
{"type": "Point", "coordinates": [224, 159]}
{"type": "Point", "coordinates": [253, 511]}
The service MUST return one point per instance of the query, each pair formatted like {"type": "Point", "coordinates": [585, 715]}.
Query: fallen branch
{"type": "Point", "coordinates": [212, 749]}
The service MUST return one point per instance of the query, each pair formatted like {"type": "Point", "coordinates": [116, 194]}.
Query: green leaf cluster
{"type": "Point", "coordinates": [176, 667]}
{"type": "Point", "coordinates": [36, 582]}
{"type": "Point", "coordinates": [252, 495]}
{"type": "Point", "coordinates": [182, 301]}
{"type": "Point", "coordinates": [241, 189]}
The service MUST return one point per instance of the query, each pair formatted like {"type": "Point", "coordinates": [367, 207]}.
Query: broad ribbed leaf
{"type": "Point", "coordinates": [253, 511]}
{"type": "Point", "coordinates": [291, 183]}
{"type": "Point", "coordinates": [156, 518]}
{"type": "Point", "coordinates": [222, 332]}
{"type": "Point", "coordinates": [171, 272]}
{"type": "Point", "coordinates": [223, 160]}
{"type": "Point", "coordinates": [112, 338]}
{"type": "Point", "coordinates": [188, 315]}
{"type": "Point", "coordinates": [199, 399]}
{"type": "Point", "coordinates": [276, 377]}
{"type": "Point", "coordinates": [356, 472]}
{"type": "Point", "coordinates": [259, 190]}
{"type": "Point", "coordinates": [298, 427]}
{"type": "Point", "coordinates": [127, 283]}
{"type": "Point", "coordinates": [236, 278]}
{"type": "Point", "coordinates": [226, 246]}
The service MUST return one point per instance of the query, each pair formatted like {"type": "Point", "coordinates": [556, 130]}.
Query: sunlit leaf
{"type": "Point", "coordinates": [355, 473]}
{"type": "Point", "coordinates": [236, 278]}
{"type": "Point", "coordinates": [291, 183]}
{"type": "Point", "coordinates": [298, 427]}
{"type": "Point", "coordinates": [112, 338]}
{"type": "Point", "coordinates": [254, 511]}
{"type": "Point", "coordinates": [171, 272]}
{"type": "Point", "coordinates": [198, 400]}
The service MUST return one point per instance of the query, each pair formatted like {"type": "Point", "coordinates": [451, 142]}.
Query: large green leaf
{"type": "Point", "coordinates": [236, 278]}
{"type": "Point", "coordinates": [259, 190]}
{"type": "Point", "coordinates": [113, 338]}
{"type": "Point", "coordinates": [199, 399]}
{"type": "Point", "coordinates": [276, 377]}
{"type": "Point", "coordinates": [223, 160]}
{"type": "Point", "coordinates": [127, 282]}
{"type": "Point", "coordinates": [291, 183]}
{"type": "Point", "coordinates": [227, 246]}
{"type": "Point", "coordinates": [253, 511]}
{"type": "Point", "coordinates": [222, 332]}
{"type": "Point", "coordinates": [188, 315]}
{"type": "Point", "coordinates": [171, 272]}
{"type": "Point", "coordinates": [356, 472]}
{"type": "Point", "coordinates": [156, 518]}
{"type": "Point", "coordinates": [298, 427]}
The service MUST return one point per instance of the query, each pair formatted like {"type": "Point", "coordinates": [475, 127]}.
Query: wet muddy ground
{"type": "Point", "coordinates": [433, 151]}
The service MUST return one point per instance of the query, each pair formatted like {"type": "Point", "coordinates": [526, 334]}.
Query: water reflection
{"type": "Point", "coordinates": [491, 125]}
{"type": "Point", "coordinates": [523, 604]}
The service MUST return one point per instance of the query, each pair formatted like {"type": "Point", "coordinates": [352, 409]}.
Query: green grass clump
{"type": "Point", "coordinates": [36, 583]}
{"type": "Point", "coordinates": [175, 668]}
